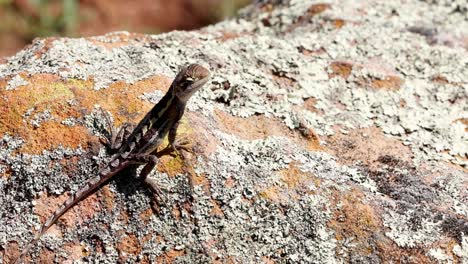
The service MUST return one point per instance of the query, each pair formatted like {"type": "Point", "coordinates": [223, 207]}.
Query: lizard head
{"type": "Point", "coordinates": [189, 80]}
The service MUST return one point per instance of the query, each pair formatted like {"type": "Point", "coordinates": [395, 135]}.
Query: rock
{"type": "Point", "coordinates": [329, 133]}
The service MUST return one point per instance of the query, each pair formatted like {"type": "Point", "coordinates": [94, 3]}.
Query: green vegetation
{"type": "Point", "coordinates": [46, 24]}
{"type": "Point", "coordinates": [22, 21]}
{"type": "Point", "coordinates": [230, 7]}
{"type": "Point", "coordinates": [39, 18]}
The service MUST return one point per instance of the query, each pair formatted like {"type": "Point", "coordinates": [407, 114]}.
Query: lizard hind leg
{"type": "Point", "coordinates": [151, 160]}
{"type": "Point", "coordinates": [122, 135]}
{"type": "Point", "coordinates": [115, 138]}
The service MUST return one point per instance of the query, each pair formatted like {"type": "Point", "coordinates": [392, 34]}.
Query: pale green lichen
{"type": "Point", "coordinates": [267, 73]}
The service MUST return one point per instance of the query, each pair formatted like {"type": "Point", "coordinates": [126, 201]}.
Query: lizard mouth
{"type": "Point", "coordinates": [197, 84]}
{"type": "Point", "coordinates": [192, 88]}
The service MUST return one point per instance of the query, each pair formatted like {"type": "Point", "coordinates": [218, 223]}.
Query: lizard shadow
{"type": "Point", "coordinates": [129, 184]}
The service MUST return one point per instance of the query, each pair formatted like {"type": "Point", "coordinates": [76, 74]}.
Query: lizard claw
{"type": "Point", "coordinates": [180, 144]}
{"type": "Point", "coordinates": [158, 193]}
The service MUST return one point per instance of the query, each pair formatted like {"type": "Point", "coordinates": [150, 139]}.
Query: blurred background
{"type": "Point", "coordinates": [23, 20]}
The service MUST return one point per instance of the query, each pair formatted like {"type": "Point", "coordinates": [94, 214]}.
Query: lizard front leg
{"type": "Point", "coordinates": [175, 144]}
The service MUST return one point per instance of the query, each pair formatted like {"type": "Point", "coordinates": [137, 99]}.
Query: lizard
{"type": "Point", "coordinates": [140, 146]}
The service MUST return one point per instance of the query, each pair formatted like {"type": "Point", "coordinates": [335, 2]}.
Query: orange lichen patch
{"type": "Point", "coordinates": [392, 83]}
{"type": "Point", "coordinates": [296, 182]}
{"type": "Point", "coordinates": [145, 216]}
{"type": "Point", "coordinates": [108, 198]}
{"type": "Point", "coordinates": [338, 23]}
{"type": "Point", "coordinates": [317, 8]}
{"type": "Point", "coordinates": [51, 134]}
{"type": "Point", "coordinates": [464, 121]}
{"type": "Point", "coordinates": [176, 212]}
{"type": "Point", "coordinates": [274, 194]}
{"type": "Point", "coordinates": [255, 127]}
{"type": "Point", "coordinates": [304, 19]}
{"type": "Point", "coordinates": [200, 180]}
{"type": "Point", "coordinates": [388, 77]}
{"type": "Point", "coordinates": [260, 127]}
{"type": "Point", "coordinates": [121, 99]}
{"type": "Point", "coordinates": [366, 145]}
{"type": "Point", "coordinates": [3, 83]}
{"type": "Point", "coordinates": [391, 253]}
{"type": "Point", "coordinates": [313, 140]}
{"type": "Point", "coordinates": [10, 252]}
{"type": "Point", "coordinates": [216, 210]}
{"type": "Point", "coordinates": [354, 219]}
{"type": "Point", "coordinates": [45, 92]}
{"type": "Point", "coordinates": [6, 173]}
{"type": "Point", "coordinates": [123, 218]}
{"type": "Point", "coordinates": [170, 256]}
{"type": "Point", "coordinates": [340, 68]}
{"type": "Point", "coordinates": [295, 178]}
{"type": "Point", "coordinates": [128, 245]}
{"type": "Point", "coordinates": [171, 165]}
{"type": "Point", "coordinates": [439, 79]}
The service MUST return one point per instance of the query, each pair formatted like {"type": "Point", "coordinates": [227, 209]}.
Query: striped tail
{"type": "Point", "coordinates": [92, 185]}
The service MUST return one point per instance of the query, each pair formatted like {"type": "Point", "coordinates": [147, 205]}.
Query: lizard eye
{"type": "Point", "coordinates": [188, 82]}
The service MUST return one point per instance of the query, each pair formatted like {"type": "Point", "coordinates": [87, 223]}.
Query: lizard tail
{"type": "Point", "coordinates": [90, 187]}
{"type": "Point", "coordinates": [27, 248]}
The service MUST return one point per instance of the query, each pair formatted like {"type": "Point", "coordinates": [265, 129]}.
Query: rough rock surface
{"type": "Point", "coordinates": [330, 133]}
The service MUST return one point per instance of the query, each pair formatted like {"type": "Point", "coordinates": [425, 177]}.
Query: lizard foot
{"type": "Point", "coordinates": [114, 138]}
{"type": "Point", "coordinates": [178, 145]}
{"type": "Point", "coordinates": [158, 193]}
